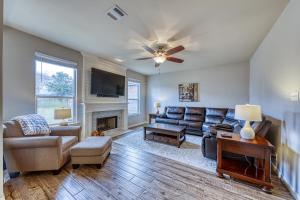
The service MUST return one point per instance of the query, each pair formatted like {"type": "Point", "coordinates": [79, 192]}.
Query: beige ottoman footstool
{"type": "Point", "coordinates": [92, 150]}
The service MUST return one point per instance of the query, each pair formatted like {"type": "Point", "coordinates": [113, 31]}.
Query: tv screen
{"type": "Point", "coordinates": [106, 84]}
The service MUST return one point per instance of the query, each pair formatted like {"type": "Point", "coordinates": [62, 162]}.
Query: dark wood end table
{"type": "Point", "coordinates": [152, 116]}
{"type": "Point", "coordinates": [259, 148]}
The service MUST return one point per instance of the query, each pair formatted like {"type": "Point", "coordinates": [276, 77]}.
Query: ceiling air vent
{"type": "Point", "coordinates": [116, 13]}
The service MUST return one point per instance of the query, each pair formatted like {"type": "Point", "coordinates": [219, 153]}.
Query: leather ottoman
{"type": "Point", "coordinates": [93, 150]}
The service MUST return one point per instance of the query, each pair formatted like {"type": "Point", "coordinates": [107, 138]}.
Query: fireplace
{"type": "Point", "coordinates": [107, 123]}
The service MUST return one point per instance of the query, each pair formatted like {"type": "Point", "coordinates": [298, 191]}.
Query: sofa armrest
{"type": "Point", "coordinates": [163, 115]}
{"type": "Point", "coordinates": [224, 127]}
{"type": "Point", "coordinates": [32, 142]}
{"type": "Point", "coordinates": [208, 135]}
{"type": "Point", "coordinates": [66, 131]}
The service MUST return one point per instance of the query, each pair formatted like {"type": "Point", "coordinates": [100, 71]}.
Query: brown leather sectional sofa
{"type": "Point", "coordinates": [200, 121]}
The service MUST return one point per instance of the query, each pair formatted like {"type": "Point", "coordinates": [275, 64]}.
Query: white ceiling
{"type": "Point", "coordinates": [214, 32]}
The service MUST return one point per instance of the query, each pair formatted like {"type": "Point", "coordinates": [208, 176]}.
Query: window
{"type": "Point", "coordinates": [55, 86]}
{"type": "Point", "coordinates": [133, 98]}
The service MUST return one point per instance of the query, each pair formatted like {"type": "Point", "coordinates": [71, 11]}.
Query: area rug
{"type": "Point", "coordinates": [189, 152]}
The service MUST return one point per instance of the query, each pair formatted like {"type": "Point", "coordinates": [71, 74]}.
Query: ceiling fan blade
{"type": "Point", "coordinates": [150, 50]}
{"type": "Point", "coordinates": [157, 64]}
{"type": "Point", "coordinates": [146, 58]}
{"type": "Point", "coordinates": [175, 50]}
{"type": "Point", "coordinates": [177, 60]}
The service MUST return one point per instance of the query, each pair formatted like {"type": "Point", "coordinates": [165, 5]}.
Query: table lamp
{"type": "Point", "coordinates": [63, 114]}
{"type": "Point", "coordinates": [157, 106]}
{"type": "Point", "coordinates": [248, 113]}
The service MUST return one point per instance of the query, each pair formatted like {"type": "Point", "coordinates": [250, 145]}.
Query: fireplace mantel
{"type": "Point", "coordinates": [104, 106]}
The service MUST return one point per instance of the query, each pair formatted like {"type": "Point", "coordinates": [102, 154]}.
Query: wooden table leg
{"type": "Point", "coordinates": [178, 140]}
{"type": "Point", "coordinates": [267, 172]}
{"type": "Point", "coordinates": [219, 159]}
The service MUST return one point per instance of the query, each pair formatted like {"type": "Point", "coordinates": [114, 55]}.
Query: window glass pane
{"type": "Point", "coordinates": [133, 106]}
{"type": "Point", "coordinates": [133, 90]}
{"type": "Point", "coordinates": [54, 79]}
{"type": "Point", "coordinates": [46, 107]}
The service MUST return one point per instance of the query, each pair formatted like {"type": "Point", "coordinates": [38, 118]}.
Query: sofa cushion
{"type": "Point", "coordinates": [230, 122]}
{"type": "Point", "coordinates": [219, 112]}
{"type": "Point", "coordinates": [92, 146]}
{"type": "Point", "coordinates": [230, 113]}
{"type": "Point", "coordinates": [213, 119]}
{"type": "Point", "coordinates": [68, 142]}
{"type": "Point", "coordinates": [215, 115]}
{"type": "Point", "coordinates": [194, 114]}
{"type": "Point", "coordinates": [190, 124]}
{"type": "Point", "coordinates": [166, 120]}
{"type": "Point", "coordinates": [175, 112]}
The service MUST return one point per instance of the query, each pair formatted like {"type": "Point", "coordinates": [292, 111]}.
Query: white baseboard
{"type": "Point", "coordinates": [138, 124]}
{"type": "Point", "coordinates": [293, 193]}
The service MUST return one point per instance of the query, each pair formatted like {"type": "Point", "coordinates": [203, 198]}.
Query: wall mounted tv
{"type": "Point", "coordinates": [106, 84]}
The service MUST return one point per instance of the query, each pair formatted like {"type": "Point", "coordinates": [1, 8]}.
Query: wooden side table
{"type": "Point", "coordinates": [152, 116]}
{"type": "Point", "coordinates": [258, 148]}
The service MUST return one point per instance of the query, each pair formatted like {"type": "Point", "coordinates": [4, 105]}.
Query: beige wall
{"type": "Point", "coordinates": [140, 118]}
{"type": "Point", "coordinates": [274, 75]}
{"type": "Point", "coordinates": [223, 86]}
{"type": "Point", "coordinates": [19, 70]}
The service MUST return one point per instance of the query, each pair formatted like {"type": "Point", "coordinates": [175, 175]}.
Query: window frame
{"type": "Point", "coordinates": [138, 83]}
{"type": "Point", "coordinates": [65, 63]}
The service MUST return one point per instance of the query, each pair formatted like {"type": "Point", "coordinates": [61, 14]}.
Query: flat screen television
{"type": "Point", "coordinates": [106, 84]}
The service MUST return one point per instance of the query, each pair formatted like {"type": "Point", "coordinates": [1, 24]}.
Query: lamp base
{"type": "Point", "coordinates": [247, 132]}
{"type": "Point", "coordinates": [64, 123]}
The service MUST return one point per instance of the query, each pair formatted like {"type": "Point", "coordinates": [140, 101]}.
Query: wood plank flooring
{"type": "Point", "coordinates": [133, 174]}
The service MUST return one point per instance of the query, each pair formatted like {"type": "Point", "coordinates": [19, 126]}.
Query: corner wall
{"type": "Point", "coordinates": [274, 75]}
{"type": "Point", "coordinates": [221, 86]}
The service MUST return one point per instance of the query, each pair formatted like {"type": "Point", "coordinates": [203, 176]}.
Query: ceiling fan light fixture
{"type": "Point", "coordinates": [159, 59]}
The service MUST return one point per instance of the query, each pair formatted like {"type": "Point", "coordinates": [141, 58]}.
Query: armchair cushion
{"type": "Point", "coordinates": [68, 142]}
{"type": "Point", "coordinates": [32, 142]}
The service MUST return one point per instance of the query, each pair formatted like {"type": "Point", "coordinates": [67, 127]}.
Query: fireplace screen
{"type": "Point", "coordinates": [107, 123]}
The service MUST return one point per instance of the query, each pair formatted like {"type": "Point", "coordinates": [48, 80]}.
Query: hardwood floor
{"type": "Point", "coordinates": [133, 174]}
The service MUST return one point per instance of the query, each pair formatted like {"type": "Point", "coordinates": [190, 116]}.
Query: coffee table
{"type": "Point", "coordinates": [165, 133]}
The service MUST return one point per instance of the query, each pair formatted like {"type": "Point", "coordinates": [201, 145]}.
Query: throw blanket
{"type": "Point", "coordinates": [33, 124]}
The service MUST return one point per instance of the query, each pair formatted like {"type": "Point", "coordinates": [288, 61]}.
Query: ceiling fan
{"type": "Point", "coordinates": [161, 54]}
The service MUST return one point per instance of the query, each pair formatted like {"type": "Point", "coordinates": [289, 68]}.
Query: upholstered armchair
{"type": "Point", "coordinates": [37, 153]}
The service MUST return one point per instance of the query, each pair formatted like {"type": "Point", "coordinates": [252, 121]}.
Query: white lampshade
{"type": "Point", "coordinates": [248, 112]}
{"type": "Point", "coordinates": [62, 113]}
{"type": "Point", "coordinates": [157, 104]}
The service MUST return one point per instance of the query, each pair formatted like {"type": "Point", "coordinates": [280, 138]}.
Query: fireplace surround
{"type": "Point", "coordinates": [107, 123]}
